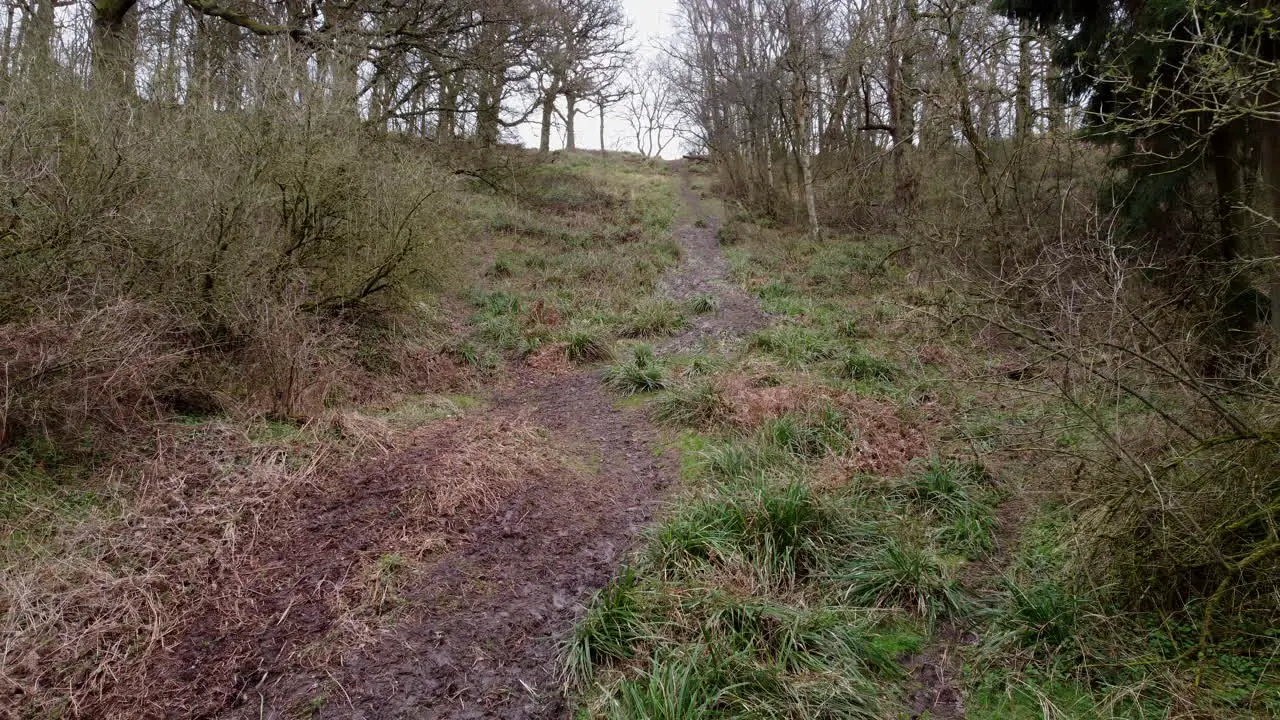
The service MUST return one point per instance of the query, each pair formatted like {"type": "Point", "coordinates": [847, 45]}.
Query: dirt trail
{"type": "Point", "coordinates": [477, 624]}
{"type": "Point", "coordinates": [704, 270]}
{"type": "Point", "coordinates": [482, 639]}
{"type": "Point", "coordinates": [933, 690]}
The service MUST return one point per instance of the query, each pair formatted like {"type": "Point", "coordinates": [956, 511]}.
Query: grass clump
{"type": "Point", "coordinates": [733, 232]}
{"type": "Point", "coordinates": [859, 365]}
{"type": "Point", "coordinates": [795, 346]}
{"type": "Point", "coordinates": [781, 533]}
{"type": "Point", "coordinates": [779, 446]}
{"type": "Point", "coordinates": [654, 318]}
{"type": "Point", "coordinates": [674, 689]}
{"type": "Point", "coordinates": [698, 405]}
{"type": "Point", "coordinates": [955, 494]}
{"type": "Point", "coordinates": [641, 374]}
{"type": "Point", "coordinates": [502, 268]}
{"type": "Point", "coordinates": [699, 365]}
{"type": "Point", "coordinates": [586, 346]}
{"type": "Point", "coordinates": [608, 632]}
{"type": "Point", "coordinates": [796, 639]}
{"type": "Point", "coordinates": [852, 329]}
{"type": "Point", "coordinates": [807, 438]}
{"type": "Point", "coordinates": [1041, 617]}
{"type": "Point", "coordinates": [704, 304]}
{"type": "Point", "coordinates": [738, 461]}
{"type": "Point", "coordinates": [750, 658]}
{"type": "Point", "coordinates": [709, 678]}
{"type": "Point", "coordinates": [905, 575]}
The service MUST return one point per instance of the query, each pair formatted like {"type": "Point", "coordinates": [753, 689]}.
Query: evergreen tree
{"type": "Point", "coordinates": [1186, 91]}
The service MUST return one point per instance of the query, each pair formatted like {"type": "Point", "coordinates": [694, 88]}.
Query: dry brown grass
{"type": "Point", "coordinates": [886, 442]}
{"type": "Point", "coordinates": [489, 459]}
{"type": "Point", "coordinates": [752, 401]}
{"type": "Point", "coordinates": [87, 607]}
{"type": "Point", "coordinates": [67, 368]}
{"type": "Point", "coordinates": [550, 359]}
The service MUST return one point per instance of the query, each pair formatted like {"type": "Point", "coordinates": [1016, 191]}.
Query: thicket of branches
{"type": "Point", "coordinates": [196, 195]}
{"type": "Point", "coordinates": [1105, 175]}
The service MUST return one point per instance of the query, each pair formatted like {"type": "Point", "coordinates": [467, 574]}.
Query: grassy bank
{"type": "Point", "coordinates": [890, 509]}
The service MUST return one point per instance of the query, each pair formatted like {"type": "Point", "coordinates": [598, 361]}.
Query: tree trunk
{"type": "Point", "coordinates": [600, 105]}
{"type": "Point", "coordinates": [488, 109]}
{"type": "Point", "coordinates": [800, 98]}
{"type": "Point", "coordinates": [35, 43]}
{"type": "Point", "coordinates": [570, 111]}
{"type": "Point", "coordinates": [169, 78]}
{"type": "Point", "coordinates": [1023, 119]}
{"type": "Point", "coordinates": [971, 133]}
{"type": "Point", "coordinates": [548, 107]}
{"type": "Point", "coordinates": [1270, 201]}
{"type": "Point", "coordinates": [1243, 311]}
{"type": "Point", "coordinates": [901, 106]}
{"type": "Point", "coordinates": [1056, 92]}
{"type": "Point", "coordinates": [113, 44]}
{"type": "Point", "coordinates": [341, 62]}
{"type": "Point", "coordinates": [834, 134]}
{"type": "Point", "coordinates": [447, 112]}
{"type": "Point", "coordinates": [7, 64]}
{"type": "Point", "coordinates": [493, 82]}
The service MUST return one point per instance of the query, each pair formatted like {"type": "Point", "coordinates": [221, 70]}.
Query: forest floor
{"type": "Point", "coordinates": [656, 460]}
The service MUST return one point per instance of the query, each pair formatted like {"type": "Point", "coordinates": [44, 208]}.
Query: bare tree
{"type": "Point", "coordinates": [649, 109]}
{"type": "Point", "coordinates": [582, 46]}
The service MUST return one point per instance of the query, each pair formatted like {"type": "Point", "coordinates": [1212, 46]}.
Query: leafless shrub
{"type": "Point", "coordinates": [69, 369]}
{"type": "Point", "coordinates": [139, 236]}
{"type": "Point", "coordinates": [1178, 489]}
{"type": "Point", "coordinates": [290, 362]}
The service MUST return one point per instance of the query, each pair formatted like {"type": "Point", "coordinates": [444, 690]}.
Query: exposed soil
{"type": "Point", "coordinates": [301, 625]}
{"type": "Point", "coordinates": [933, 690]}
{"type": "Point", "coordinates": [482, 637]}
{"type": "Point", "coordinates": [703, 270]}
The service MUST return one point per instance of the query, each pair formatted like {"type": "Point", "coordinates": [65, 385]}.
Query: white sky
{"type": "Point", "coordinates": [650, 21]}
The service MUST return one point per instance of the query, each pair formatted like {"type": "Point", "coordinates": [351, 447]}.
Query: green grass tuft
{"type": "Point", "coordinates": [675, 688]}
{"type": "Point", "coordinates": [703, 304]}
{"type": "Point", "coordinates": [1042, 617]}
{"type": "Point", "coordinates": [807, 438]}
{"type": "Point", "coordinates": [738, 461]}
{"type": "Point", "coordinates": [859, 365]}
{"type": "Point", "coordinates": [587, 346]}
{"type": "Point", "coordinates": [782, 533]}
{"type": "Point", "coordinates": [631, 379]}
{"type": "Point", "coordinates": [905, 575]}
{"type": "Point", "coordinates": [654, 318]}
{"type": "Point", "coordinates": [956, 494]}
{"type": "Point", "coordinates": [502, 268]}
{"type": "Point", "coordinates": [641, 374]}
{"type": "Point", "coordinates": [795, 346]}
{"type": "Point", "coordinates": [699, 405]}
{"type": "Point", "coordinates": [609, 630]}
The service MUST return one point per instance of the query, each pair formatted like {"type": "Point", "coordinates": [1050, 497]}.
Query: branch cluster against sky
{"type": "Point", "coordinates": [651, 20]}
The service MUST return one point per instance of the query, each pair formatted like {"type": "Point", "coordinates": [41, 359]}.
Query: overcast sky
{"type": "Point", "coordinates": [650, 21]}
